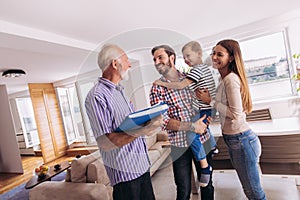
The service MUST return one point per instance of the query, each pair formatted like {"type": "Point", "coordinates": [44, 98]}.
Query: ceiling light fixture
{"type": "Point", "coordinates": [12, 73]}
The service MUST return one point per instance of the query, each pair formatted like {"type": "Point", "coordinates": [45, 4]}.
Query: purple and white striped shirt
{"type": "Point", "coordinates": [106, 107]}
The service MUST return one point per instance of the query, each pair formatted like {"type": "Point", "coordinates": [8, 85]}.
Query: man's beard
{"type": "Point", "coordinates": [165, 68]}
{"type": "Point", "coordinates": [124, 74]}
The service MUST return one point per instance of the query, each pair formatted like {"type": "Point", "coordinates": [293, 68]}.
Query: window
{"type": "Point", "coordinates": [181, 65]}
{"type": "Point", "coordinates": [267, 67]}
{"type": "Point", "coordinates": [76, 123]}
{"type": "Point", "coordinates": [71, 115]}
{"type": "Point", "coordinates": [28, 123]}
{"type": "Point", "coordinates": [83, 88]}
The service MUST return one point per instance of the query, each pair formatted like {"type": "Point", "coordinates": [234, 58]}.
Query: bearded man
{"type": "Point", "coordinates": [178, 121]}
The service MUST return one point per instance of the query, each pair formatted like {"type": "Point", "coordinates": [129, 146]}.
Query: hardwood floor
{"type": "Point", "coordinates": [9, 181]}
{"type": "Point", "coordinates": [163, 178]}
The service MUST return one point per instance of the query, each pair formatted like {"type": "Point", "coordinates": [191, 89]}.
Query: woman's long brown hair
{"type": "Point", "coordinates": [237, 66]}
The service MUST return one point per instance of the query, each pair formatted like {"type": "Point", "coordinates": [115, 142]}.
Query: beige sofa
{"type": "Point", "coordinates": [87, 178]}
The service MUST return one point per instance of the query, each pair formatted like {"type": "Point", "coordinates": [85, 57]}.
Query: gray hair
{"type": "Point", "coordinates": [106, 55]}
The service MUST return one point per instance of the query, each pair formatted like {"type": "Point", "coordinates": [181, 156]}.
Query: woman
{"type": "Point", "coordinates": [233, 101]}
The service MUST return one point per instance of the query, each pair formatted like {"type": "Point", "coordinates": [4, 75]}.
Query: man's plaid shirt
{"type": "Point", "coordinates": [180, 108]}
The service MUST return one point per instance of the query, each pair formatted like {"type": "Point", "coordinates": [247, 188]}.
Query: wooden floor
{"type": "Point", "coordinates": [9, 181]}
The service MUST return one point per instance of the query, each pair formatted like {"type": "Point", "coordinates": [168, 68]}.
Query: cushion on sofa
{"type": "Point", "coordinates": [68, 175]}
{"type": "Point", "coordinates": [150, 140]}
{"type": "Point", "coordinates": [64, 190]}
{"type": "Point", "coordinates": [156, 146]}
{"type": "Point", "coordinates": [162, 136]}
{"type": "Point", "coordinates": [79, 167]}
{"type": "Point", "coordinates": [96, 172]}
{"type": "Point", "coordinates": [154, 155]}
{"type": "Point", "coordinates": [165, 152]}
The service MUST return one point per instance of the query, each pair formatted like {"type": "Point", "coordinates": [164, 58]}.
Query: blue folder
{"type": "Point", "coordinates": [137, 119]}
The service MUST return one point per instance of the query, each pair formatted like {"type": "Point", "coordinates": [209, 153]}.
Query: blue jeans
{"type": "Point", "coordinates": [244, 150]}
{"type": "Point", "coordinates": [182, 168]}
{"type": "Point", "coordinates": [194, 142]}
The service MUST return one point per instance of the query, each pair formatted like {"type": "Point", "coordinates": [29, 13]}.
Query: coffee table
{"type": "Point", "coordinates": [34, 181]}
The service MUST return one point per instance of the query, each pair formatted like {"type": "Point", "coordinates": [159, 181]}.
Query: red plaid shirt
{"type": "Point", "coordinates": [180, 108]}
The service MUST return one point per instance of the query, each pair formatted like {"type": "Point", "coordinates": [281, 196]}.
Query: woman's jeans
{"type": "Point", "coordinates": [244, 150]}
{"type": "Point", "coordinates": [193, 139]}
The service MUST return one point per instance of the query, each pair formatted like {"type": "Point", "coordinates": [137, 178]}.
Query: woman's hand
{"type": "Point", "coordinates": [203, 95]}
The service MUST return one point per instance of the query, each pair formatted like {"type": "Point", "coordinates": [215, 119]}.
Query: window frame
{"type": "Point", "coordinates": [257, 34]}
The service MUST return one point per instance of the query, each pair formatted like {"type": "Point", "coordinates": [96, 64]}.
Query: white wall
{"type": "Point", "coordinates": [280, 108]}
{"type": "Point", "coordinates": [294, 32]}
{"type": "Point", "coordinates": [144, 73]}
{"type": "Point", "coordinates": [138, 44]}
{"type": "Point", "coordinates": [287, 107]}
{"type": "Point", "coordinates": [14, 111]}
{"type": "Point", "coordinates": [134, 91]}
{"type": "Point", "coordinates": [10, 159]}
{"type": "Point", "coordinates": [142, 76]}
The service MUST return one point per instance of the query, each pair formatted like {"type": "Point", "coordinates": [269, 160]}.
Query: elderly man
{"type": "Point", "coordinates": [124, 153]}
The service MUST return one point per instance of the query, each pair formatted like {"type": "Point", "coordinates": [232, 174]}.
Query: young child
{"type": "Point", "coordinates": [200, 76]}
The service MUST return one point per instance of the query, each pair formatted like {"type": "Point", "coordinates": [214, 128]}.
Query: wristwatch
{"type": "Point", "coordinates": [192, 127]}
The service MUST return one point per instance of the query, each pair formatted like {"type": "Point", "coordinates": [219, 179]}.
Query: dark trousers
{"type": "Point", "coordinates": [182, 168]}
{"type": "Point", "coordinates": [137, 189]}
{"type": "Point", "coordinates": [207, 193]}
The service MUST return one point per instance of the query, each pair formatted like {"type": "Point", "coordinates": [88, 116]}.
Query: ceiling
{"type": "Point", "coordinates": [50, 40]}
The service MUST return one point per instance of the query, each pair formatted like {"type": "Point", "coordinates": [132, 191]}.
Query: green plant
{"type": "Point", "coordinates": [296, 56]}
{"type": "Point", "coordinates": [296, 76]}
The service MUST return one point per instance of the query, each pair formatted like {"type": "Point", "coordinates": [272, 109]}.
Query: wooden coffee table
{"type": "Point", "coordinates": [34, 181]}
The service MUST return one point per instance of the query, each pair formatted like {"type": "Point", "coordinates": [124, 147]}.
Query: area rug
{"type": "Point", "coordinates": [20, 193]}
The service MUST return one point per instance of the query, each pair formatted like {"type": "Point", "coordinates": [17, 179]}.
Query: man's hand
{"type": "Point", "coordinates": [115, 140]}
{"type": "Point", "coordinates": [200, 126]}
{"type": "Point", "coordinates": [209, 119]}
{"type": "Point", "coordinates": [203, 95]}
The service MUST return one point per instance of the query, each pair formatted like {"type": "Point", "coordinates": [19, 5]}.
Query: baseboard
{"type": "Point", "coordinates": [266, 168]}
{"type": "Point", "coordinates": [280, 168]}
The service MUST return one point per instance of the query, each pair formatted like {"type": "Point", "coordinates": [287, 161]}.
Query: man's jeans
{"type": "Point", "coordinates": [244, 150]}
{"type": "Point", "coordinates": [182, 168]}
{"type": "Point", "coordinates": [137, 189]}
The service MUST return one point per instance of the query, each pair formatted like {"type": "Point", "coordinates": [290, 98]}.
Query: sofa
{"type": "Point", "coordinates": [87, 178]}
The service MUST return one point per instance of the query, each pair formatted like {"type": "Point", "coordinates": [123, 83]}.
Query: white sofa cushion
{"type": "Point", "coordinates": [68, 175]}
{"type": "Point", "coordinates": [150, 140]}
{"type": "Point", "coordinates": [164, 153]}
{"type": "Point", "coordinates": [153, 156]}
{"type": "Point", "coordinates": [79, 167]}
{"type": "Point", "coordinates": [66, 190]}
{"type": "Point", "coordinates": [96, 172]}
